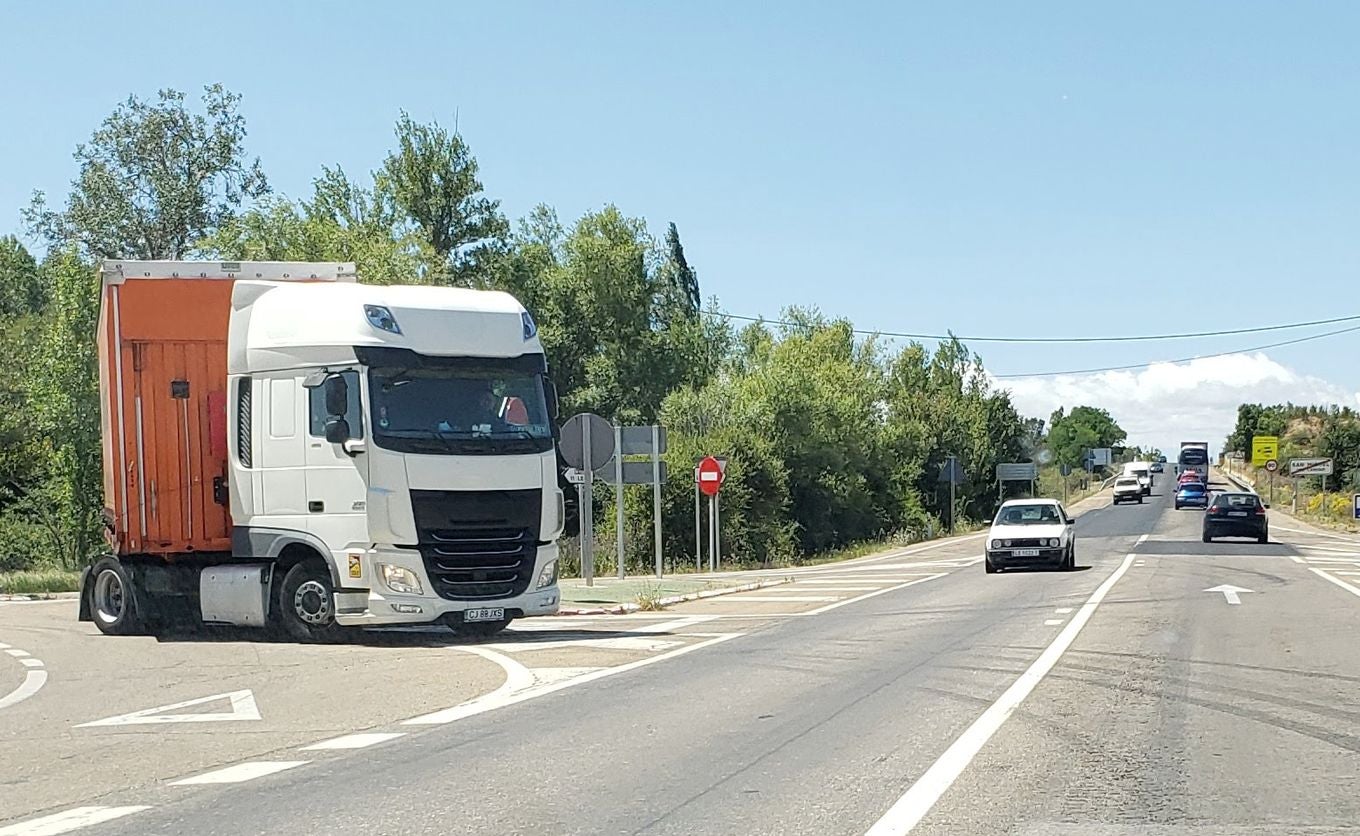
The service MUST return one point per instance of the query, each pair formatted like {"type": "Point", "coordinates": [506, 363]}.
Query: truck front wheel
{"type": "Point", "coordinates": [307, 603]}
{"type": "Point", "coordinates": [113, 598]}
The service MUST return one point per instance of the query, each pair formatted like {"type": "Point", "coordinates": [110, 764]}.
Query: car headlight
{"type": "Point", "coordinates": [996, 544]}
{"type": "Point", "coordinates": [1006, 543]}
{"type": "Point", "coordinates": [1053, 543]}
{"type": "Point", "coordinates": [400, 579]}
{"type": "Point", "coordinates": [548, 575]}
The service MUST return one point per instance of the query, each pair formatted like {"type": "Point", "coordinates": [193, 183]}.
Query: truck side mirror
{"type": "Point", "coordinates": [550, 393]}
{"type": "Point", "coordinates": [337, 396]}
{"type": "Point", "coordinates": [337, 430]}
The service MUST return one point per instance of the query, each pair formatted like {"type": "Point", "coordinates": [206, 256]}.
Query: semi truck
{"type": "Point", "coordinates": [1194, 456]}
{"type": "Point", "coordinates": [286, 448]}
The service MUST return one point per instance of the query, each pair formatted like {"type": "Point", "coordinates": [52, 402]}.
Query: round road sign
{"type": "Point", "coordinates": [710, 476]}
{"type": "Point", "coordinates": [572, 442]}
{"type": "Point", "coordinates": [1272, 465]}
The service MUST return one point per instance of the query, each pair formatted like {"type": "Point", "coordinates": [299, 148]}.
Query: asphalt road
{"type": "Point", "coordinates": [906, 692]}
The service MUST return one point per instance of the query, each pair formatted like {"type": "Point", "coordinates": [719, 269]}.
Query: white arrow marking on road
{"type": "Point", "coordinates": [1230, 592]}
{"type": "Point", "coordinates": [242, 708]}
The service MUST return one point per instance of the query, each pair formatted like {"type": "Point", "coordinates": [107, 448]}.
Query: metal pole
{"type": "Point", "coordinates": [618, 499]}
{"type": "Point", "coordinates": [656, 495]}
{"type": "Point", "coordinates": [698, 541]}
{"type": "Point", "coordinates": [1272, 488]}
{"type": "Point", "coordinates": [951, 494]}
{"type": "Point", "coordinates": [587, 510]}
{"type": "Point", "coordinates": [717, 531]}
{"type": "Point", "coordinates": [712, 536]}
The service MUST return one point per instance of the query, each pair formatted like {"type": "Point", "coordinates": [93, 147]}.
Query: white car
{"type": "Point", "coordinates": [1128, 489]}
{"type": "Point", "coordinates": [1030, 532]}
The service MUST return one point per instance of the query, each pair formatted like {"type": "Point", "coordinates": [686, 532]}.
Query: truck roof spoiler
{"type": "Point", "coordinates": [118, 270]}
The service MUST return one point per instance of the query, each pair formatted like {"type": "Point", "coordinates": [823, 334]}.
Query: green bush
{"type": "Point", "coordinates": [38, 581]}
{"type": "Point", "coordinates": [23, 545]}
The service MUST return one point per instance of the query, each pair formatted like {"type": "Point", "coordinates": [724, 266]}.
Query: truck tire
{"type": "Point", "coordinates": [114, 598]}
{"type": "Point", "coordinates": [307, 603]}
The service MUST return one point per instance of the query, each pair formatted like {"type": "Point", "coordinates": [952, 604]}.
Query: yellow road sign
{"type": "Point", "coordinates": [1264, 448]}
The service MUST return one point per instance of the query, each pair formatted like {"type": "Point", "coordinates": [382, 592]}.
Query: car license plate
{"type": "Point", "coordinates": [1237, 513]}
{"type": "Point", "coordinates": [485, 614]}
{"type": "Point", "coordinates": [1026, 552]}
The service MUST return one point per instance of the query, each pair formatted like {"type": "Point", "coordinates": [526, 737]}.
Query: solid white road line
{"type": "Point", "coordinates": [503, 696]}
{"type": "Point", "coordinates": [69, 820]}
{"type": "Point", "coordinates": [237, 773]}
{"type": "Point", "coordinates": [917, 801]}
{"type": "Point", "coordinates": [354, 741]}
{"type": "Point", "coordinates": [868, 595]}
{"type": "Point", "coordinates": [1354, 590]}
{"type": "Point", "coordinates": [780, 599]}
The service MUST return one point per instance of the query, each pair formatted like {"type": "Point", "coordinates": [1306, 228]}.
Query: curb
{"type": "Point", "coordinates": [624, 609]}
{"type": "Point", "coordinates": [38, 596]}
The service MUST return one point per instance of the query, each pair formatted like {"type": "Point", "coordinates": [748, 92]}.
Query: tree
{"type": "Point", "coordinates": [1085, 427]}
{"type": "Point", "coordinates": [154, 179]}
{"type": "Point", "coordinates": [21, 290]}
{"type": "Point", "coordinates": [432, 178]}
{"type": "Point", "coordinates": [681, 278]}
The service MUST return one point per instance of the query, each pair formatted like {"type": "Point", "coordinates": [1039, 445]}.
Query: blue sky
{"type": "Point", "coordinates": [1033, 169]}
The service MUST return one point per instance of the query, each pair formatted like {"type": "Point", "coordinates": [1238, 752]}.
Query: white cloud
{"type": "Point", "coordinates": [1167, 403]}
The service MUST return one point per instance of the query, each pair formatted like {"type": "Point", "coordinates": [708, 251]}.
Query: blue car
{"type": "Point", "coordinates": [1192, 494]}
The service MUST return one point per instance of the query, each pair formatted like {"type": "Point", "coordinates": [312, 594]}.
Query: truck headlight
{"type": "Point", "coordinates": [548, 575]}
{"type": "Point", "coordinates": [400, 579]}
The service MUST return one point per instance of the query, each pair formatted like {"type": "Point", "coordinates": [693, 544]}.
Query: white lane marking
{"type": "Point", "coordinates": [868, 595]}
{"type": "Point", "coordinates": [242, 704]}
{"type": "Point", "coordinates": [504, 696]}
{"type": "Point", "coordinates": [1354, 590]}
{"type": "Point", "coordinates": [33, 682]}
{"type": "Point", "coordinates": [16, 652]}
{"type": "Point", "coordinates": [673, 625]}
{"type": "Point", "coordinates": [1342, 537]}
{"type": "Point", "coordinates": [941, 544]}
{"type": "Point", "coordinates": [237, 773]}
{"type": "Point", "coordinates": [31, 663]}
{"type": "Point", "coordinates": [354, 741]}
{"type": "Point", "coordinates": [1053, 622]}
{"type": "Point", "coordinates": [1141, 540]}
{"type": "Point", "coordinates": [781, 599]}
{"type": "Point", "coordinates": [641, 643]}
{"type": "Point", "coordinates": [1312, 558]}
{"type": "Point", "coordinates": [68, 820]}
{"type": "Point", "coordinates": [922, 795]}
{"type": "Point", "coordinates": [1297, 559]}
{"type": "Point", "coordinates": [3, 646]}
{"type": "Point", "coordinates": [1230, 592]}
{"type": "Point", "coordinates": [1063, 610]}
{"type": "Point", "coordinates": [822, 586]}
{"type": "Point", "coordinates": [1314, 548]}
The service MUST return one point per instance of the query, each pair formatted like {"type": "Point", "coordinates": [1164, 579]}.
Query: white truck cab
{"type": "Point", "coordinates": [1142, 471]}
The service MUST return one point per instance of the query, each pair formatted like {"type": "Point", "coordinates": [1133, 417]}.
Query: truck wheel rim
{"type": "Point", "coordinates": [311, 603]}
{"type": "Point", "coordinates": [109, 599]}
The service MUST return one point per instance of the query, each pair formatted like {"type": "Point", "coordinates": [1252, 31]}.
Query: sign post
{"type": "Point", "coordinates": [698, 545]}
{"type": "Point", "coordinates": [587, 444]}
{"type": "Point", "coordinates": [618, 499]}
{"type": "Point", "coordinates": [708, 476]}
{"type": "Point", "coordinates": [953, 474]}
{"type": "Point", "coordinates": [656, 496]}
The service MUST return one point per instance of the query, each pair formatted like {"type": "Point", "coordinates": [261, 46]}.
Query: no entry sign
{"type": "Point", "coordinates": [710, 476]}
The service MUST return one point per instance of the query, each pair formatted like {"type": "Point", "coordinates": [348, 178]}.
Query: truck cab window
{"type": "Point", "coordinates": [316, 408]}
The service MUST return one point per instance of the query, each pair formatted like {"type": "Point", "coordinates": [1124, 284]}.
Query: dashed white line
{"type": "Point", "coordinates": [68, 820]}
{"type": "Point", "coordinates": [16, 652]}
{"type": "Point", "coordinates": [33, 682]}
{"type": "Point", "coordinates": [1053, 622]}
{"type": "Point", "coordinates": [354, 741]}
{"type": "Point", "coordinates": [1141, 540]}
{"type": "Point", "coordinates": [782, 599]}
{"type": "Point", "coordinates": [237, 773]}
{"type": "Point", "coordinates": [922, 795]}
{"type": "Point", "coordinates": [31, 663]}
{"type": "Point", "coordinates": [1063, 610]}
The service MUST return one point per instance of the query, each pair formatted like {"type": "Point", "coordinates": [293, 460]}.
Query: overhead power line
{"type": "Point", "coordinates": [1188, 335]}
{"type": "Point", "coordinates": [1182, 359]}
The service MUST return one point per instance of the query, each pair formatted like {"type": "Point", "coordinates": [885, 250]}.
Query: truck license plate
{"type": "Point", "coordinates": [1026, 552]}
{"type": "Point", "coordinates": [485, 614]}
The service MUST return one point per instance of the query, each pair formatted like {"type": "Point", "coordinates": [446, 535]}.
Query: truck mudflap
{"type": "Point", "coordinates": [84, 614]}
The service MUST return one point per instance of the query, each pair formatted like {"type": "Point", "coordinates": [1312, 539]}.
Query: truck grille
{"type": "Point", "coordinates": [478, 545]}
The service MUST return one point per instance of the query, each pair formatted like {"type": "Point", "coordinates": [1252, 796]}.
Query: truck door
{"type": "Point", "coordinates": [180, 460]}
{"type": "Point", "coordinates": [336, 487]}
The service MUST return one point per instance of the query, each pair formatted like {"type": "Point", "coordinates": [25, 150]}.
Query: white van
{"type": "Point", "coordinates": [1143, 472]}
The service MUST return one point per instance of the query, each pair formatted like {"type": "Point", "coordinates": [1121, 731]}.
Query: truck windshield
{"type": "Point", "coordinates": [463, 410]}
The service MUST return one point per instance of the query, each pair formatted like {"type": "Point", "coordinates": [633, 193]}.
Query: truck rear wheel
{"type": "Point", "coordinates": [307, 603]}
{"type": "Point", "coordinates": [114, 598]}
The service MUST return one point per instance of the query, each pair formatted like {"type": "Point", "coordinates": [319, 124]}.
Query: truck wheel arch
{"type": "Point", "coordinates": [285, 548]}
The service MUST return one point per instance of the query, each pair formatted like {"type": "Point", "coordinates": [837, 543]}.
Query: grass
{"type": "Point", "coordinates": [649, 599]}
{"type": "Point", "coordinates": [38, 581]}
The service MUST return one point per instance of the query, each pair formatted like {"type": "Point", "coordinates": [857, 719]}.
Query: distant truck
{"type": "Point", "coordinates": [1194, 457]}
{"type": "Point", "coordinates": [285, 447]}
{"type": "Point", "coordinates": [1142, 471]}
